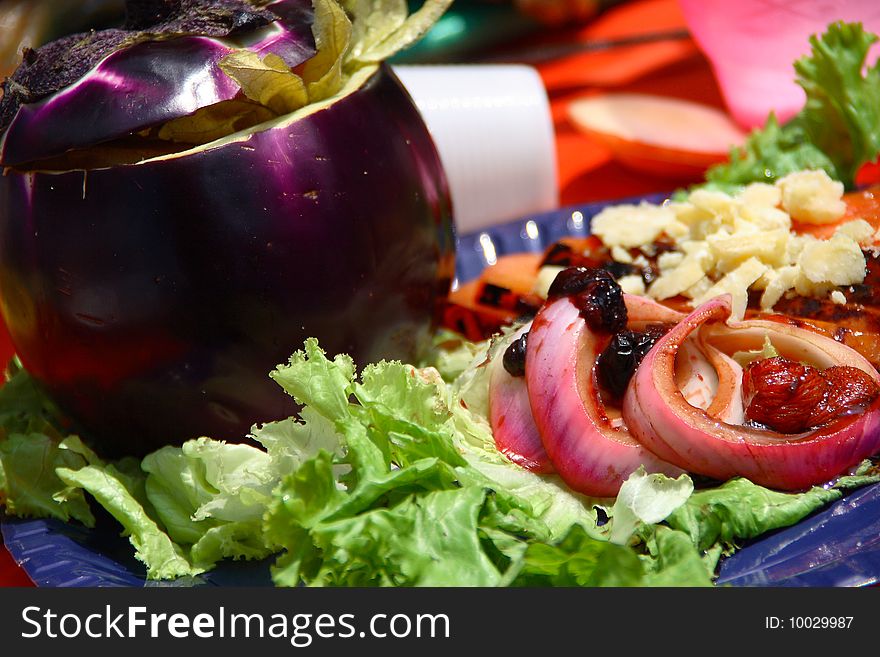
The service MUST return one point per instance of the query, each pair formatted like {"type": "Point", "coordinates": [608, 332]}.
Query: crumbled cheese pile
{"type": "Point", "coordinates": [733, 244]}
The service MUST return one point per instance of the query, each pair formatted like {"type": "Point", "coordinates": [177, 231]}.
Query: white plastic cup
{"type": "Point", "coordinates": [494, 132]}
{"type": "Point", "coordinates": [752, 46]}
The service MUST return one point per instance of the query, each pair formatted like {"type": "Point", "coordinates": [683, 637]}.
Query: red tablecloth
{"type": "Point", "coordinates": [587, 170]}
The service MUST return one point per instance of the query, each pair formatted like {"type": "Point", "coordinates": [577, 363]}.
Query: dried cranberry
{"type": "Point", "coordinates": [595, 293]}
{"type": "Point", "coordinates": [620, 359]}
{"type": "Point", "coordinates": [514, 358]}
{"type": "Point", "coordinates": [621, 269]}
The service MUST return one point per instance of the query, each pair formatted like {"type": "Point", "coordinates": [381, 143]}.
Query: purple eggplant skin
{"type": "Point", "coordinates": [144, 85]}
{"type": "Point", "coordinates": [152, 300]}
{"type": "Point", "coordinates": [134, 88]}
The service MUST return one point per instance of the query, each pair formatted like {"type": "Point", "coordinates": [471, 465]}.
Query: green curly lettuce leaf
{"type": "Point", "coordinates": [838, 129]}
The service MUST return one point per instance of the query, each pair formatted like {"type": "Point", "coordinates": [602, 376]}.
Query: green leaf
{"type": "Point", "coordinates": [234, 540]}
{"type": "Point", "coordinates": [675, 561]}
{"type": "Point", "coordinates": [426, 540]}
{"type": "Point", "coordinates": [452, 355]}
{"type": "Point", "coordinates": [175, 494]}
{"type": "Point", "coordinates": [842, 111]}
{"type": "Point", "coordinates": [865, 474]}
{"type": "Point", "coordinates": [163, 558]}
{"type": "Point", "coordinates": [646, 498]}
{"type": "Point", "coordinates": [291, 442]}
{"type": "Point", "coordinates": [769, 154]}
{"type": "Point", "coordinates": [310, 378]}
{"type": "Point", "coordinates": [407, 416]}
{"type": "Point", "coordinates": [31, 487]}
{"type": "Point", "coordinates": [24, 406]}
{"type": "Point", "coordinates": [411, 476]}
{"type": "Point", "coordinates": [739, 509]}
{"type": "Point", "coordinates": [838, 129]}
{"type": "Point", "coordinates": [578, 560]}
{"type": "Point", "coordinates": [211, 496]}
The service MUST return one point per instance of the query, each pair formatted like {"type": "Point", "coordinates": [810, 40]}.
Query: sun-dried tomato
{"type": "Point", "coordinates": [790, 397]}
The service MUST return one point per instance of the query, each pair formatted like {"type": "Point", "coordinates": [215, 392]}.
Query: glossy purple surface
{"type": "Point", "coordinates": [144, 85]}
{"type": "Point", "coordinates": [152, 300]}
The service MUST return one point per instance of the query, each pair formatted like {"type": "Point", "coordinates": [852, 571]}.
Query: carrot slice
{"type": "Point", "coordinates": [515, 272]}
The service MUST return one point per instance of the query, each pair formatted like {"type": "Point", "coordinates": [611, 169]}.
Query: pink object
{"type": "Point", "coordinates": [752, 46]}
{"type": "Point", "coordinates": [510, 415]}
{"type": "Point", "coordinates": [662, 420]}
{"type": "Point", "coordinates": [591, 452]}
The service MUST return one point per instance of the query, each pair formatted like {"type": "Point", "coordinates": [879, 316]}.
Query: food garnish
{"type": "Point", "coordinates": [790, 397]}
{"type": "Point", "coordinates": [689, 436]}
{"type": "Point", "coordinates": [837, 131]}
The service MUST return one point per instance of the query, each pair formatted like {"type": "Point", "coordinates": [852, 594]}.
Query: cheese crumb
{"type": "Point", "coordinates": [812, 197]}
{"type": "Point", "coordinates": [858, 230]}
{"type": "Point", "coordinates": [736, 283]}
{"type": "Point", "coordinates": [730, 251]}
{"type": "Point", "coordinates": [621, 255]}
{"type": "Point", "coordinates": [675, 281]}
{"type": "Point", "coordinates": [760, 195]}
{"type": "Point", "coordinates": [778, 282]}
{"type": "Point", "coordinates": [838, 297]}
{"type": "Point", "coordinates": [546, 275]}
{"type": "Point", "coordinates": [630, 226]}
{"type": "Point", "coordinates": [669, 260]}
{"type": "Point", "coordinates": [723, 243]}
{"type": "Point", "coordinates": [632, 284]}
{"type": "Point", "coordinates": [838, 261]}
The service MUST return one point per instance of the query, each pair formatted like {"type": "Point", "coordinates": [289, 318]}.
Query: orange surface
{"type": "Point", "coordinates": [587, 171]}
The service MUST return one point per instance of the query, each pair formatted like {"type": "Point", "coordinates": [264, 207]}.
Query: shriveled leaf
{"type": "Point", "coordinates": [372, 22]}
{"type": "Point", "coordinates": [215, 121]}
{"type": "Point", "coordinates": [267, 81]}
{"type": "Point", "coordinates": [332, 29]}
{"type": "Point", "coordinates": [397, 38]}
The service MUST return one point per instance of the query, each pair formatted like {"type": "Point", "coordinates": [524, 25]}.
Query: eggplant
{"type": "Point", "coordinates": [150, 291]}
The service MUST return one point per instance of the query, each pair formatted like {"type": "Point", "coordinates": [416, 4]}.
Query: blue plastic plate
{"type": "Point", "coordinates": [839, 546]}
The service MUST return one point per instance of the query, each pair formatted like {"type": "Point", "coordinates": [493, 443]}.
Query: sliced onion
{"type": "Point", "coordinates": [660, 417]}
{"type": "Point", "coordinates": [592, 453]}
{"type": "Point", "coordinates": [510, 415]}
{"type": "Point", "coordinates": [641, 311]}
{"type": "Point", "coordinates": [710, 379]}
